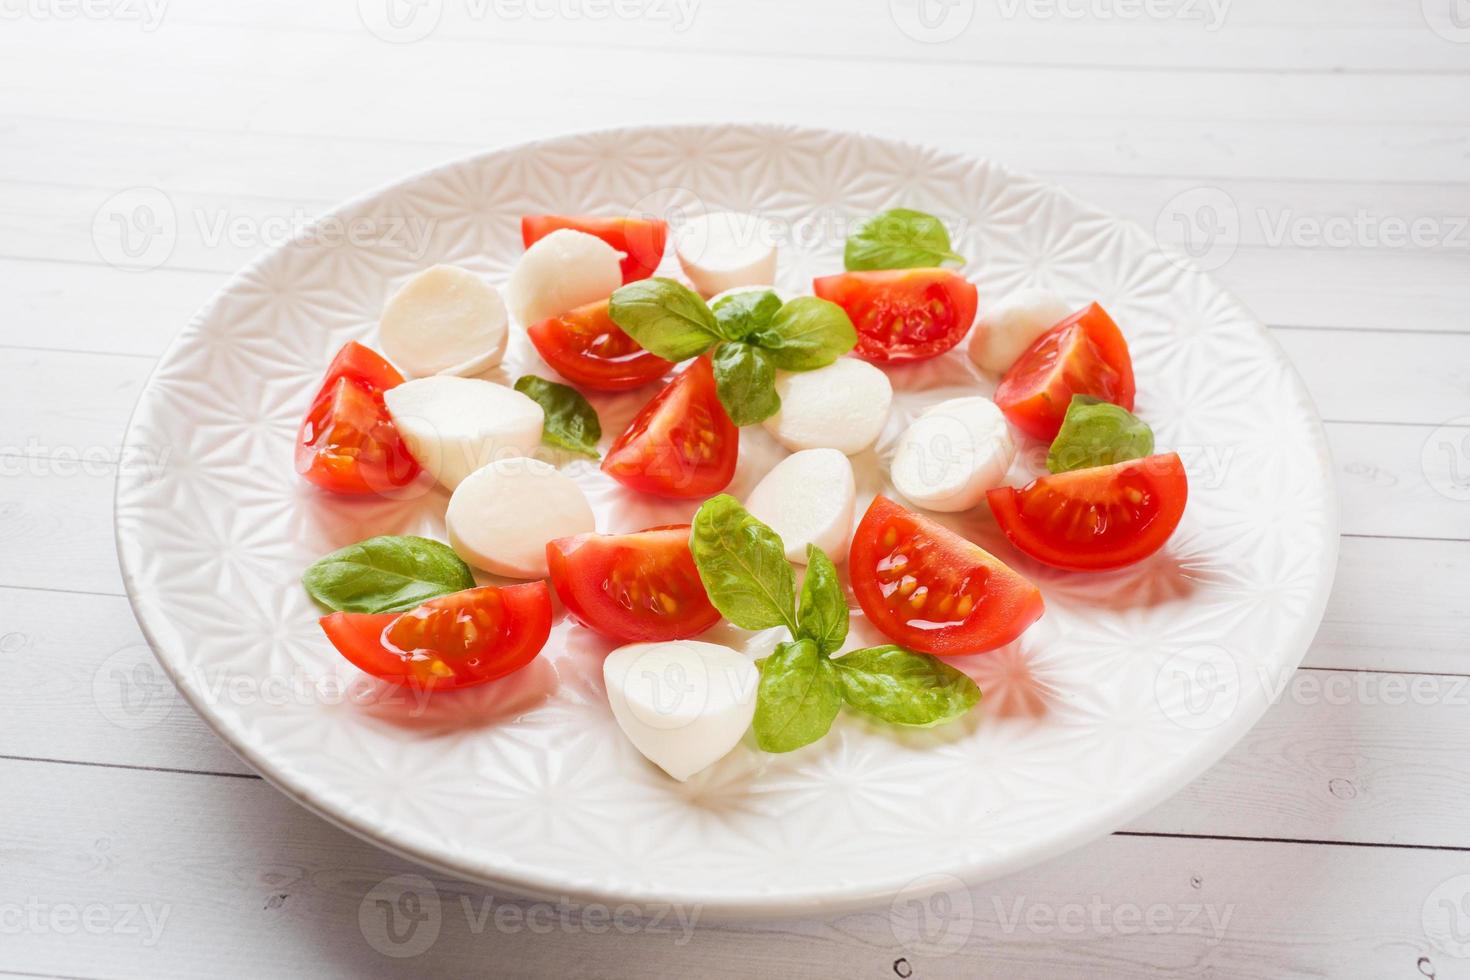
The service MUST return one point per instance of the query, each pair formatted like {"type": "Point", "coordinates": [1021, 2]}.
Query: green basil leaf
{"type": "Point", "coordinates": [741, 314]}
{"type": "Point", "coordinates": [743, 566]}
{"type": "Point", "coordinates": [798, 697]}
{"type": "Point", "coordinates": [904, 688]}
{"type": "Point", "coordinates": [745, 380]}
{"type": "Point", "coordinates": [899, 239]}
{"type": "Point", "coordinates": [805, 334]}
{"type": "Point", "coordinates": [823, 613]}
{"type": "Point", "coordinates": [664, 317]}
{"type": "Point", "coordinates": [386, 574]}
{"type": "Point", "coordinates": [571, 423]}
{"type": "Point", "coordinates": [1098, 433]}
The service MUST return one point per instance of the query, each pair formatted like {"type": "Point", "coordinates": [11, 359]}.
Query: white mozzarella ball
{"type": "Point", "coordinates": [952, 454]}
{"type": "Point", "coordinates": [560, 272]}
{"type": "Point", "coordinates": [445, 320]}
{"type": "Point", "coordinates": [722, 250]}
{"type": "Point", "coordinates": [684, 704]}
{"type": "Point", "coordinates": [842, 406]}
{"type": "Point", "coordinates": [501, 516]}
{"type": "Point", "coordinates": [1004, 331]}
{"type": "Point", "coordinates": [453, 426]}
{"type": "Point", "coordinates": [808, 498]}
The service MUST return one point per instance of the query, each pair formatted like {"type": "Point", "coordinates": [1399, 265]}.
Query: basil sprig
{"type": "Point", "coordinates": [386, 574]}
{"type": "Point", "coordinates": [571, 422]}
{"type": "Point", "coordinates": [1098, 433]}
{"type": "Point", "coordinates": [899, 239]}
{"type": "Point", "coordinates": [752, 334]}
{"type": "Point", "coordinates": [743, 566]}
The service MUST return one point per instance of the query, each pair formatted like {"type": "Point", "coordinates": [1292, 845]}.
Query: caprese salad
{"type": "Point", "coordinates": [727, 351]}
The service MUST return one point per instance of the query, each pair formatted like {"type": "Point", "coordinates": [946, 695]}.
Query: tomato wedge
{"type": "Point", "coordinates": [682, 444]}
{"type": "Point", "coordinates": [925, 587]}
{"type": "Point", "coordinates": [457, 640]}
{"type": "Point", "coordinates": [347, 443]}
{"type": "Point", "coordinates": [1097, 518]}
{"type": "Point", "coordinates": [587, 348]}
{"type": "Point", "coordinates": [641, 240]}
{"type": "Point", "coordinates": [903, 314]}
{"type": "Point", "coordinates": [638, 588]}
{"type": "Point", "coordinates": [1085, 354]}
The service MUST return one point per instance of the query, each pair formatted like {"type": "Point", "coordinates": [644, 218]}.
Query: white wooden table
{"type": "Point", "coordinates": [1333, 841]}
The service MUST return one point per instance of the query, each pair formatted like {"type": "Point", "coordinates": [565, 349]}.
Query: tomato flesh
{"type": "Point", "coordinates": [587, 348]}
{"type": "Point", "coordinates": [641, 240]}
{"type": "Point", "coordinates": [637, 588]}
{"type": "Point", "coordinates": [903, 314]}
{"type": "Point", "coordinates": [681, 444]}
{"type": "Point", "coordinates": [457, 640]}
{"type": "Point", "coordinates": [926, 588]}
{"type": "Point", "coordinates": [1097, 518]}
{"type": "Point", "coordinates": [1085, 354]}
{"type": "Point", "coordinates": [347, 443]}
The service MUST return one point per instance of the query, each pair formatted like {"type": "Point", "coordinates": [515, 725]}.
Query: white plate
{"type": "Point", "coordinates": [1131, 685]}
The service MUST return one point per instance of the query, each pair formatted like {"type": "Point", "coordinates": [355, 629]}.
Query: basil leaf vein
{"type": "Point", "coordinates": [571, 422]}
{"type": "Point", "coordinates": [389, 573]}
{"type": "Point", "coordinates": [904, 688]}
{"type": "Point", "coordinates": [899, 239]}
{"type": "Point", "coordinates": [798, 698]}
{"type": "Point", "coordinates": [743, 566]}
{"type": "Point", "coordinates": [823, 613]}
{"type": "Point", "coordinates": [664, 317]}
{"type": "Point", "coordinates": [741, 314]}
{"type": "Point", "coordinates": [745, 382]}
{"type": "Point", "coordinates": [1098, 433]}
{"type": "Point", "coordinates": [805, 334]}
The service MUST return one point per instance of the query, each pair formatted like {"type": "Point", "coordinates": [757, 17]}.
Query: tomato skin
{"type": "Point", "coordinates": [903, 314]}
{"type": "Point", "coordinates": [587, 348]}
{"type": "Point", "coordinates": [905, 568]}
{"type": "Point", "coordinates": [511, 625]}
{"type": "Point", "coordinates": [681, 444]}
{"type": "Point", "coordinates": [1097, 518]}
{"type": "Point", "coordinates": [1085, 354]}
{"type": "Point", "coordinates": [641, 240]}
{"type": "Point", "coordinates": [347, 442]}
{"type": "Point", "coordinates": [636, 588]}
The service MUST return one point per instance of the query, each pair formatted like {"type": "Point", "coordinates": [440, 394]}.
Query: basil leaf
{"type": "Point", "coordinates": [746, 383]}
{"type": "Point", "coordinates": [1098, 433]}
{"type": "Point", "coordinates": [571, 423]}
{"type": "Point", "coordinates": [823, 614]}
{"type": "Point", "coordinates": [899, 239]}
{"type": "Point", "coordinates": [798, 697]}
{"type": "Point", "coordinates": [805, 334]}
{"type": "Point", "coordinates": [664, 317]}
{"type": "Point", "coordinates": [743, 566]}
{"type": "Point", "coordinates": [386, 574]}
{"type": "Point", "coordinates": [740, 314]}
{"type": "Point", "coordinates": [904, 688]}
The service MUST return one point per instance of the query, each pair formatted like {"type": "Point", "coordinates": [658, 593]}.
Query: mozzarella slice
{"type": "Point", "coordinates": [952, 454]}
{"type": "Point", "coordinates": [453, 426]}
{"type": "Point", "coordinates": [564, 270]}
{"type": "Point", "coordinates": [842, 406]}
{"type": "Point", "coordinates": [444, 320]}
{"type": "Point", "coordinates": [1003, 332]}
{"type": "Point", "coordinates": [684, 704]}
{"type": "Point", "coordinates": [502, 515]}
{"type": "Point", "coordinates": [722, 250]}
{"type": "Point", "coordinates": [807, 498]}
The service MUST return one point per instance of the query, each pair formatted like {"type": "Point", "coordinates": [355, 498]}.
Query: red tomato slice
{"type": "Point", "coordinates": [1085, 354]}
{"type": "Point", "coordinates": [926, 588]}
{"type": "Point", "coordinates": [457, 640]}
{"type": "Point", "coordinates": [347, 443]}
{"type": "Point", "coordinates": [638, 588]}
{"type": "Point", "coordinates": [587, 348]}
{"type": "Point", "coordinates": [903, 314]}
{"type": "Point", "coordinates": [641, 240]}
{"type": "Point", "coordinates": [682, 444]}
{"type": "Point", "coordinates": [1097, 518]}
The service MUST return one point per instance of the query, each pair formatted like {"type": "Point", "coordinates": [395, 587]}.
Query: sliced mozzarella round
{"type": "Point", "coordinates": [502, 515]}
{"type": "Point", "coordinates": [562, 271]}
{"type": "Point", "coordinates": [684, 704]}
{"type": "Point", "coordinates": [807, 498]}
{"type": "Point", "coordinates": [1003, 332]}
{"type": "Point", "coordinates": [952, 454]}
{"type": "Point", "coordinates": [453, 426]}
{"type": "Point", "coordinates": [722, 250]}
{"type": "Point", "coordinates": [842, 406]}
{"type": "Point", "coordinates": [445, 320]}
